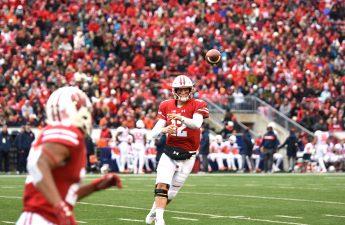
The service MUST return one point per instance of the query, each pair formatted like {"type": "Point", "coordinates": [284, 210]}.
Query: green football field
{"type": "Point", "coordinates": [207, 200]}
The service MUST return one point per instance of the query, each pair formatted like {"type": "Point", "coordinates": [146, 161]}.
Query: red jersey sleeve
{"type": "Point", "coordinates": [65, 136]}
{"type": "Point", "coordinates": [162, 111]}
{"type": "Point", "coordinates": [201, 108]}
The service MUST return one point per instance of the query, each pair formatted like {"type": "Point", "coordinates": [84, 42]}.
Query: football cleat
{"type": "Point", "coordinates": [159, 222]}
{"type": "Point", "coordinates": [150, 218]}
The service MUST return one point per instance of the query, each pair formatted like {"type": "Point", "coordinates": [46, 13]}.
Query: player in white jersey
{"type": "Point", "coordinates": [331, 157]}
{"type": "Point", "coordinates": [138, 147]}
{"type": "Point", "coordinates": [321, 149]}
{"type": "Point", "coordinates": [216, 154]}
{"type": "Point", "coordinates": [232, 153]}
{"type": "Point", "coordinates": [308, 155]}
{"type": "Point", "coordinates": [339, 149]}
{"type": "Point", "coordinates": [121, 136]}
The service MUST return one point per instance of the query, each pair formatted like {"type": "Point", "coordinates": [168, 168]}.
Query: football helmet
{"type": "Point", "coordinates": [69, 106]}
{"type": "Point", "coordinates": [232, 139]}
{"type": "Point", "coordinates": [140, 124]}
{"type": "Point", "coordinates": [182, 81]}
{"type": "Point", "coordinates": [219, 138]}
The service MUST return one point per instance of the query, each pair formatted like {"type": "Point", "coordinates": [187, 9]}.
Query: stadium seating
{"type": "Point", "coordinates": [125, 55]}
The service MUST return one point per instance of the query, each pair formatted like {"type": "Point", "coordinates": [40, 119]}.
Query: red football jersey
{"type": "Point", "coordinates": [67, 177]}
{"type": "Point", "coordinates": [185, 138]}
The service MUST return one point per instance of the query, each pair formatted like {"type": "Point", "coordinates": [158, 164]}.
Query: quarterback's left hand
{"type": "Point", "coordinates": [107, 181]}
{"type": "Point", "coordinates": [174, 116]}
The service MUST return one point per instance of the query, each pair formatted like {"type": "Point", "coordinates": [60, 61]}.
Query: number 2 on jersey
{"type": "Point", "coordinates": [180, 132]}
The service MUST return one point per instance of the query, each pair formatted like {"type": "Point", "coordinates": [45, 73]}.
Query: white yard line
{"type": "Point", "coordinates": [338, 216]}
{"type": "Point", "coordinates": [230, 195]}
{"type": "Point", "coordinates": [11, 197]}
{"type": "Point", "coordinates": [215, 217]}
{"type": "Point", "coordinates": [246, 196]}
{"type": "Point", "coordinates": [132, 220]}
{"type": "Point", "coordinates": [184, 218]}
{"type": "Point", "coordinates": [292, 217]}
{"type": "Point", "coordinates": [19, 185]}
{"type": "Point", "coordinates": [238, 217]}
{"type": "Point", "coordinates": [221, 185]}
{"type": "Point", "coordinates": [271, 221]}
{"type": "Point", "coordinates": [114, 206]}
{"type": "Point", "coordinates": [196, 214]}
{"type": "Point", "coordinates": [326, 175]}
{"type": "Point", "coordinates": [263, 197]}
{"type": "Point", "coordinates": [8, 222]}
{"type": "Point", "coordinates": [174, 211]}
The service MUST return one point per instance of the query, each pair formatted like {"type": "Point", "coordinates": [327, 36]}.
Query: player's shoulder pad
{"type": "Point", "coordinates": [66, 135]}
{"type": "Point", "coordinates": [167, 102]}
{"type": "Point", "coordinates": [201, 107]}
{"type": "Point", "coordinates": [200, 102]}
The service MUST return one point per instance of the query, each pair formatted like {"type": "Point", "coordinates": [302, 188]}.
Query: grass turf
{"type": "Point", "coordinates": [216, 199]}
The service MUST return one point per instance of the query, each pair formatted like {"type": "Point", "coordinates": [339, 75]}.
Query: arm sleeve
{"type": "Point", "coordinates": [194, 123]}
{"type": "Point", "coordinates": [162, 112]}
{"type": "Point", "coordinates": [157, 129]}
{"type": "Point", "coordinates": [202, 109]}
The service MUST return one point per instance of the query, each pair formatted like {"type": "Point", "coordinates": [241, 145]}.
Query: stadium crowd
{"type": "Point", "coordinates": [124, 54]}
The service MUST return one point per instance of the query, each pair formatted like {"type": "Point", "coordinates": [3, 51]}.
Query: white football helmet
{"type": "Point", "coordinates": [182, 81]}
{"type": "Point", "coordinates": [140, 124]}
{"type": "Point", "coordinates": [69, 106]}
{"type": "Point", "coordinates": [232, 139]}
{"type": "Point", "coordinates": [219, 138]}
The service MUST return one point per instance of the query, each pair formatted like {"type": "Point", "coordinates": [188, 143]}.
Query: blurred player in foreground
{"type": "Point", "coordinates": [181, 119]}
{"type": "Point", "coordinates": [57, 161]}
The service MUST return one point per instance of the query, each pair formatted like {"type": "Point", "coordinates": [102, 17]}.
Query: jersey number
{"type": "Point", "coordinates": [180, 132]}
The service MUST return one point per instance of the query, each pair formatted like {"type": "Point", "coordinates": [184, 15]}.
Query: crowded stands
{"type": "Point", "coordinates": [125, 54]}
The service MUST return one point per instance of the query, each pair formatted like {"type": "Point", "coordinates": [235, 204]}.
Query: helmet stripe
{"type": "Point", "coordinates": [54, 103]}
{"type": "Point", "coordinates": [58, 107]}
{"type": "Point", "coordinates": [52, 112]}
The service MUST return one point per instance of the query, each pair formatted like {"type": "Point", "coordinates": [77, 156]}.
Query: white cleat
{"type": "Point", "coordinates": [159, 222]}
{"type": "Point", "coordinates": [150, 218]}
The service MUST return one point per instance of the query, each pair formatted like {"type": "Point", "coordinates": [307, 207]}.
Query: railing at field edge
{"type": "Point", "coordinates": [252, 104]}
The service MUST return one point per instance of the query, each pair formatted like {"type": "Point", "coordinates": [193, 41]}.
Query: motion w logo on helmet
{"type": "Point", "coordinates": [78, 100]}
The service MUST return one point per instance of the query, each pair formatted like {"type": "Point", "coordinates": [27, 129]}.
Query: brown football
{"type": "Point", "coordinates": [213, 56]}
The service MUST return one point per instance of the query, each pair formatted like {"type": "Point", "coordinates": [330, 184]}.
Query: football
{"type": "Point", "coordinates": [213, 56]}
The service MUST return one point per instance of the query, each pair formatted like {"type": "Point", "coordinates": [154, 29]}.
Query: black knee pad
{"type": "Point", "coordinates": [159, 192]}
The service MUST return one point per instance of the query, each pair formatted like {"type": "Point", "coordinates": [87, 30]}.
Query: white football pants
{"type": "Point", "coordinates": [174, 173]}
{"type": "Point", "coordinates": [30, 218]}
{"type": "Point", "coordinates": [139, 158]}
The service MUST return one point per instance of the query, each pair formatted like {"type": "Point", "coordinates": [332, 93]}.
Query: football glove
{"type": "Point", "coordinates": [64, 214]}
{"type": "Point", "coordinates": [107, 181]}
